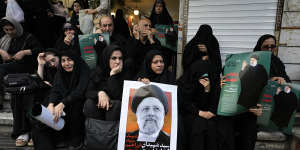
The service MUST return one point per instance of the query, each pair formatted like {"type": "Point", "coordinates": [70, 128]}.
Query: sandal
{"type": "Point", "coordinates": [30, 143]}
{"type": "Point", "coordinates": [22, 140]}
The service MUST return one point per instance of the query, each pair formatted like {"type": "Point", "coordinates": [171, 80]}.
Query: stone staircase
{"type": "Point", "coordinates": [265, 140]}
{"type": "Point", "coordinates": [6, 122]}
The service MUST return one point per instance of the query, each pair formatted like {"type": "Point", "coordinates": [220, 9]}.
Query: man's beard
{"type": "Point", "coordinates": [253, 64]}
{"type": "Point", "coordinates": [150, 125]}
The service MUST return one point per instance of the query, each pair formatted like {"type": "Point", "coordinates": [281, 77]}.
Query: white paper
{"type": "Point", "coordinates": [46, 117]}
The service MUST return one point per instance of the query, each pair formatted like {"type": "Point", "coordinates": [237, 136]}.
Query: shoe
{"type": "Point", "coordinates": [22, 140]}
{"type": "Point", "coordinates": [30, 143]}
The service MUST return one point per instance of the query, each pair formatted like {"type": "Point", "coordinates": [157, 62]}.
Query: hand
{"type": "Point", "coordinates": [19, 55]}
{"type": "Point", "coordinates": [41, 59]}
{"type": "Point", "coordinates": [202, 48]}
{"type": "Point", "coordinates": [68, 39]}
{"type": "Point", "coordinates": [5, 56]}
{"type": "Point", "coordinates": [144, 80]}
{"type": "Point", "coordinates": [135, 32]}
{"type": "Point", "coordinates": [206, 114]}
{"type": "Point", "coordinates": [279, 80]}
{"type": "Point", "coordinates": [58, 111]}
{"type": "Point", "coordinates": [150, 35]}
{"type": "Point", "coordinates": [206, 84]}
{"type": "Point", "coordinates": [117, 69]}
{"type": "Point", "coordinates": [50, 107]}
{"type": "Point", "coordinates": [223, 81]}
{"type": "Point", "coordinates": [244, 64]}
{"type": "Point", "coordinates": [256, 111]}
{"type": "Point", "coordinates": [48, 83]}
{"type": "Point", "coordinates": [78, 26]}
{"type": "Point", "coordinates": [103, 100]}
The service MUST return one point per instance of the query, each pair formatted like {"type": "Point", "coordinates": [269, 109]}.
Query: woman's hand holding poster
{"type": "Point", "coordinates": [246, 74]}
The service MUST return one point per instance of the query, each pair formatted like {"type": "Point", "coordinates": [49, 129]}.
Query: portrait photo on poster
{"type": "Point", "coordinates": [148, 116]}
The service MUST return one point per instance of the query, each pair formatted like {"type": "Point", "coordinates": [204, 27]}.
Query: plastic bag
{"type": "Point", "coordinates": [14, 10]}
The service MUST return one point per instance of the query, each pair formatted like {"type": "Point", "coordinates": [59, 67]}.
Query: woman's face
{"type": "Point", "coordinates": [158, 8]}
{"type": "Point", "coordinates": [116, 59]}
{"type": "Point", "coordinates": [67, 63]}
{"type": "Point", "coordinates": [268, 45]}
{"type": "Point", "coordinates": [77, 7]}
{"type": "Point", "coordinates": [10, 30]}
{"type": "Point", "coordinates": [69, 31]}
{"type": "Point", "coordinates": [157, 64]}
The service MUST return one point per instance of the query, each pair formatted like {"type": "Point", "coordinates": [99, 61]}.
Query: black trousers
{"type": "Point", "coordinates": [237, 132]}
{"type": "Point", "coordinates": [21, 105]}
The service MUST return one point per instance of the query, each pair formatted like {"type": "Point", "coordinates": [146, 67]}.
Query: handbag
{"type": "Point", "coordinates": [103, 134]}
{"type": "Point", "coordinates": [20, 83]}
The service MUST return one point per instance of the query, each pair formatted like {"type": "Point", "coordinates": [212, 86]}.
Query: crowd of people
{"type": "Point", "coordinates": [69, 86]}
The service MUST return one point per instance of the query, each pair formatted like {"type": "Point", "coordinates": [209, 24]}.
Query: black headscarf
{"type": "Point", "coordinates": [147, 71]}
{"type": "Point", "coordinates": [103, 68]}
{"type": "Point", "coordinates": [191, 52]}
{"type": "Point", "coordinates": [163, 18]}
{"type": "Point", "coordinates": [70, 79]}
{"type": "Point", "coordinates": [277, 68]}
{"type": "Point", "coordinates": [261, 41]}
{"type": "Point", "coordinates": [121, 26]}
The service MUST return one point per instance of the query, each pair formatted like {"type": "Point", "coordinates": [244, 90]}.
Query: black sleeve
{"type": "Point", "coordinates": [55, 94]}
{"type": "Point", "coordinates": [215, 93]}
{"type": "Point", "coordinates": [190, 93]}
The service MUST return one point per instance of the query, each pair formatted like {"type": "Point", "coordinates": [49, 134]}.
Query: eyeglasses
{"type": "Point", "coordinates": [115, 58]}
{"type": "Point", "coordinates": [267, 47]}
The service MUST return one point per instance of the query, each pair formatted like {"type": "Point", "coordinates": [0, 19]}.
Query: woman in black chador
{"type": "Point", "coordinates": [267, 42]}
{"type": "Point", "coordinates": [154, 69]}
{"type": "Point", "coordinates": [67, 95]}
{"type": "Point", "coordinates": [121, 26]}
{"type": "Point", "coordinates": [285, 104]}
{"type": "Point", "coordinates": [204, 43]}
{"type": "Point", "coordinates": [104, 95]}
{"type": "Point", "coordinates": [160, 14]}
{"type": "Point", "coordinates": [198, 91]}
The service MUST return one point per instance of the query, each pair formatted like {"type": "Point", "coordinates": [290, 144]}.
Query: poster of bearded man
{"type": "Point", "coordinates": [148, 116]}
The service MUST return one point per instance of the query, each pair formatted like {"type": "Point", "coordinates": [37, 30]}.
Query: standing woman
{"type": "Point", "coordinates": [198, 89]}
{"type": "Point", "coordinates": [104, 95]}
{"type": "Point", "coordinates": [75, 16]}
{"type": "Point", "coordinates": [160, 14]}
{"type": "Point", "coordinates": [154, 69]}
{"type": "Point", "coordinates": [204, 43]}
{"type": "Point", "coordinates": [67, 96]}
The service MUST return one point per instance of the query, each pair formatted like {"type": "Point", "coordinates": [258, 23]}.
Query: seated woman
{"type": "Point", "coordinates": [104, 93]}
{"type": "Point", "coordinates": [67, 96]}
{"type": "Point", "coordinates": [68, 40]}
{"type": "Point", "coordinates": [18, 51]}
{"type": "Point", "coordinates": [154, 70]}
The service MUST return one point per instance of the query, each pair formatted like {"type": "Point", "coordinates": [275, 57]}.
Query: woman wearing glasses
{"type": "Point", "coordinates": [267, 42]}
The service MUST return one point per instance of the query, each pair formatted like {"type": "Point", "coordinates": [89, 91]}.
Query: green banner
{"type": "Point", "coordinates": [87, 50]}
{"type": "Point", "coordinates": [164, 40]}
{"type": "Point", "coordinates": [246, 75]}
{"type": "Point", "coordinates": [279, 103]}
